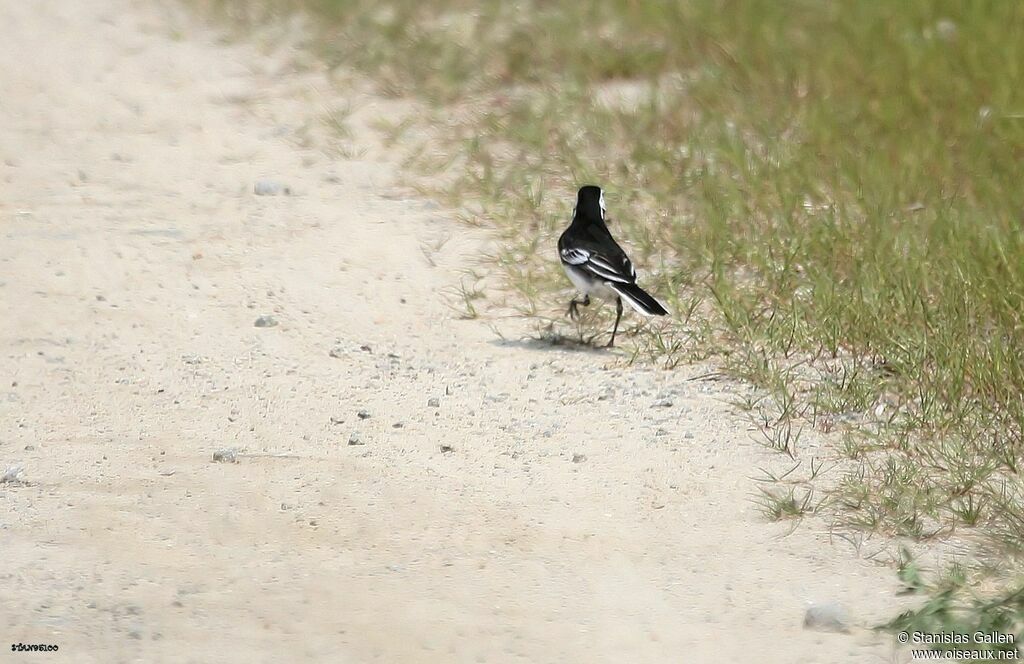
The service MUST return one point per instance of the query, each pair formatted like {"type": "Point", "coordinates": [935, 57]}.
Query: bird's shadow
{"type": "Point", "coordinates": [550, 340]}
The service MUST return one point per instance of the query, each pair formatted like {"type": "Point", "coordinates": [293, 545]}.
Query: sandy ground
{"type": "Point", "coordinates": [546, 509]}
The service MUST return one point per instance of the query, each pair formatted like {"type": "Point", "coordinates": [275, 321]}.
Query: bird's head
{"type": "Point", "coordinates": [590, 203]}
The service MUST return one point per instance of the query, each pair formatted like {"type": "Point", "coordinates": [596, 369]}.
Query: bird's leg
{"type": "Point", "coordinates": [618, 316]}
{"type": "Point", "coordinates": [573, 303]}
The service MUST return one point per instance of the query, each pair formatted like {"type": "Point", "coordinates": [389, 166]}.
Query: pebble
{"type": "Point", "coordinates": [398, 425]}
{"type": "Point", "coordinates": [268, 187]}
{"type": "Point", "coordinates": [826, 617]}
{"type": "Point", "coordinates": [12, 475]}
{"type": "Point", "coordinates": [265, 321]}
{"type": "Point", "coordinates": [579, 458]}
{"type": "Point", "coordinates": [226, 455]}
{"type": "Point", "coordinates": [353, 439]}
{"type": "Point", "coordinates": [363, 414]}
{"type": "Point", "coordinates": [433, 402]}
{"type": "Point", "coordinates": [946, 29]}
{"type": "Point", "coordinates": [447, 449]}
{"type": "Point", "coordinates": [664, 403]}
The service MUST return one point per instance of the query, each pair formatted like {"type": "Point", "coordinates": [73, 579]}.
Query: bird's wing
{"type": "Point", "coordinates": [604, 265]}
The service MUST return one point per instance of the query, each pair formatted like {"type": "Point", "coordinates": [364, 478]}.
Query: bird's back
{"type": "Point", "coordinates": [597, 239]}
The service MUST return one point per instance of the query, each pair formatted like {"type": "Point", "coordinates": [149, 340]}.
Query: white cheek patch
{"type": "Point", "coordinates": [601, 203]}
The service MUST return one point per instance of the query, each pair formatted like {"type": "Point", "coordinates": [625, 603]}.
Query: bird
{"type": "Point", "coordinates": [596, 264]}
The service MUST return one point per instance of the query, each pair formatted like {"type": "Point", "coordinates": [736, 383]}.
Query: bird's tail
{"type": "Point", "coordinates": [638, 299]}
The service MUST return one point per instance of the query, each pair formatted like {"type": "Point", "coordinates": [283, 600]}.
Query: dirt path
{"type": "Point", "coordinates": [548, 509]}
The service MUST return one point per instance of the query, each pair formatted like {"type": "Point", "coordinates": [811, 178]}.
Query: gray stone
{"type": "Point", "coordinates": [12, 475]}
{"type": "Point", "coordinates": [265, 321]}
{"type": "Point", "coordinates": [827, 617]}
{"type": "Point", "coordinates": [269, 187]}
{"type": "Point", "coordinates": [226, 455]}
{"type": "Point", "coordinates": [946, 29]}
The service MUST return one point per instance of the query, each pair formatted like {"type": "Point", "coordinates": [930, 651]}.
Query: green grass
{"type": "Point", "coordinates": [953, 608]}
{"type": "Point", "coordinates": [827, 194]}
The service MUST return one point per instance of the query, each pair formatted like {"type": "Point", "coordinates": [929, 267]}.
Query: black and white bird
{"type": "Point", "coordinates": [596, 264]}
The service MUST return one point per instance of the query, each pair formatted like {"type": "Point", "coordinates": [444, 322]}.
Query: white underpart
{"type": "Point", "coordinates": [588, 286]}
{"type": "Point", "coordinates": [601, 203]}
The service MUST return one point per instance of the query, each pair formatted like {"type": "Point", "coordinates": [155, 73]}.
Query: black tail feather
{"type": "Point", "coordinates": [638, 298]}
